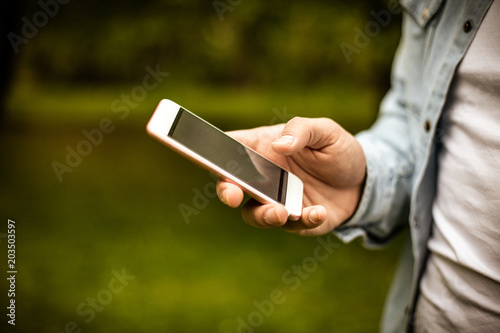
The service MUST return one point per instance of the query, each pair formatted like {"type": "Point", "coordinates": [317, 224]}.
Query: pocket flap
{"type": "Point", "coordinates": [422, 11]}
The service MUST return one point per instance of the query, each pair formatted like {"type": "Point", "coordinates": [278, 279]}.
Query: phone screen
{"type": "Point", "coordinates": [229, 155]}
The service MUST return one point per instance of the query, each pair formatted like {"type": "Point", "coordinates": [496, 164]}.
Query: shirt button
{"type": "Point", "coordinates": [427, 126]}
{"type": "Point", "coordinates": [425, 13]}
{"type": "Point", "coordinates": [468, 26]}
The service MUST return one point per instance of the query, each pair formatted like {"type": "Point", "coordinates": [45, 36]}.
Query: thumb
{"type": "Point", "coordinates": [314, 133]}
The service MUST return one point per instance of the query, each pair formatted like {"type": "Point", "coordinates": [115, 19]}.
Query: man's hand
{"type": "Point", "coordinates": [329, 161]}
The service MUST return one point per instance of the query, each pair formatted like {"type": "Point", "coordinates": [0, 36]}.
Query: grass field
{"type": "Point", "coordinates": [107, 249]}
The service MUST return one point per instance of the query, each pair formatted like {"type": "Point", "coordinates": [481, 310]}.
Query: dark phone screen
{"type": "Point", "coordinates": [229, 155]}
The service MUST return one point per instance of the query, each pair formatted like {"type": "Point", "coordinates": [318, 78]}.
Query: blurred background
{"type": "Point", "coordinates": [114, 232]}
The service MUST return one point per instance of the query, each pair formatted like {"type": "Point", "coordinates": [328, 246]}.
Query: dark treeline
{"type": "Point", "coordinates": [228, 42]}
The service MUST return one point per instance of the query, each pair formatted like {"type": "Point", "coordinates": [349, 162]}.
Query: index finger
{"type": "Point", "coordinates": [229, 193]}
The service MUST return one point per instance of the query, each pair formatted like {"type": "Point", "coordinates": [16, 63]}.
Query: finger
{"type": "Point", "coordinates": [264, 216]}
{"type": "Point", "coordinates": [314, 133]}
{"type": "Point", "coordinates": [256, 136]}
{"type": "Point", "coordinates": [229, 193]}
{"type": "Point", "coordinates": [248, 137]}
{"type": "Point", "coordinates": [313, 217]}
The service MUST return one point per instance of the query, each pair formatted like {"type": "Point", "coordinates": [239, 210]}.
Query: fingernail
{"type": "Point", "coordinates": [286, 139]}
{"type": "Point", "coordinates": [272, 218]}
{"type": "Point", "coordinates": [314, 216]}
{"type": "Point", "coordinates": [268, 216]}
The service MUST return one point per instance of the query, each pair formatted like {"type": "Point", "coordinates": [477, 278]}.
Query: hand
{"type": "Point", "coordinates": [329, 161]}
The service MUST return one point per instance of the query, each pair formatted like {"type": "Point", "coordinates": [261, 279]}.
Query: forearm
{"type": "Point", "coordinates": [383, 207]}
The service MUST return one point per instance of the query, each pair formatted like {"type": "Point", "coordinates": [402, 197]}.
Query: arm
{"type": "Point", "coordinates": [356, 187]}
{"type": "Point", "coordinates": [389, 148]}
{"type": "Point", "coordinates": [383, 208]}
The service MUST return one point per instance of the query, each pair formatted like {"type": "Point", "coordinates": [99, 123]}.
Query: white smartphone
{"type": "Point", "coordinates": [227, 158]}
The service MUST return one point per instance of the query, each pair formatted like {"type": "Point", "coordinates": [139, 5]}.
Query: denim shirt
{"type": "Point", "coordinates": [400, 148]}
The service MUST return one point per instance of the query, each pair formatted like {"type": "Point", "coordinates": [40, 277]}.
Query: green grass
{"type": "Point", "coordinates": [119, 209]}
{"type": "Point", "coordinates": [354, 107]}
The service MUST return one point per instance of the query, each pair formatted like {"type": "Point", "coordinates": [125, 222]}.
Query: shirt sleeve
{"type": "Point", "coordinates": [384, 206]}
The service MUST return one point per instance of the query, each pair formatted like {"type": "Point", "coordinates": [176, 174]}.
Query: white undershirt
{"type": "Point", "coordinates": [460, 290]}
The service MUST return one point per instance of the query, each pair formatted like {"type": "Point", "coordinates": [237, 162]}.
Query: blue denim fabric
{"type": "Point", "coordinates": [400, 147]}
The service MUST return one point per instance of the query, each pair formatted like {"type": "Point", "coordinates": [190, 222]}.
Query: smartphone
{"type": "Point", "coordinates": [227, 158]}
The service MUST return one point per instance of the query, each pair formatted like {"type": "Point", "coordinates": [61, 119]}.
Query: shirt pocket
{"type": "Point", "coordinates": [421, 18]}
